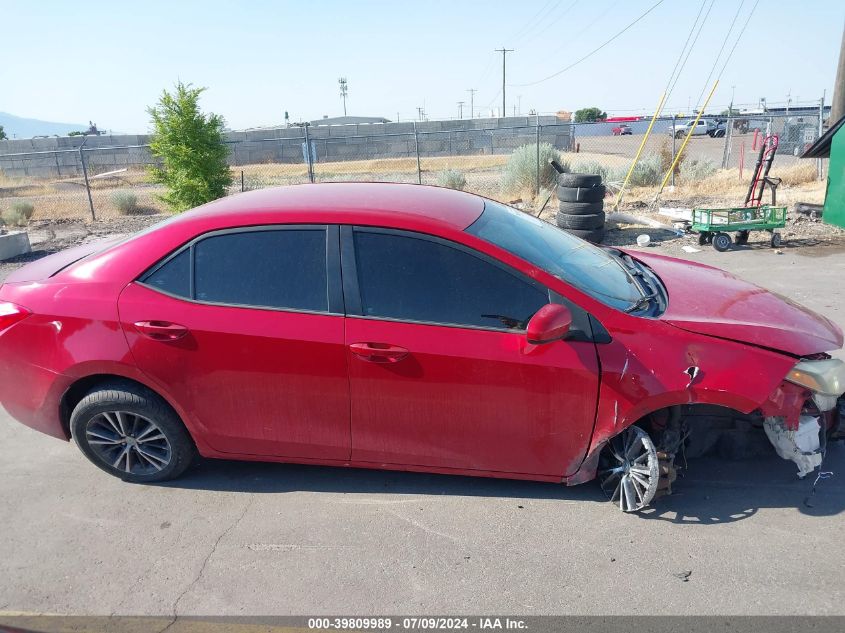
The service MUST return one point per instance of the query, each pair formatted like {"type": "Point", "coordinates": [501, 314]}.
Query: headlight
{"type": "Point", "coordinates": [822, 376]}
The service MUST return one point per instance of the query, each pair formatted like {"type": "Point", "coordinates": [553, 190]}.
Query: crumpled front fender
{"type": "Point", "coordinates": [647, 370]}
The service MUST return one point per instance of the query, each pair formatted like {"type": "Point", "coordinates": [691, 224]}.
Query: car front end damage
{"type": "Point", "coordinates": [806, 410]}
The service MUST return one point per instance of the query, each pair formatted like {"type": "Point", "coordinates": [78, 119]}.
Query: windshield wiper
{"type": "Point", "coordinates": [642, 302]}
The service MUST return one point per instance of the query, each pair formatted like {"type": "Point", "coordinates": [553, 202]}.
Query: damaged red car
{"type": "Point", "coordinates": [403, 327]}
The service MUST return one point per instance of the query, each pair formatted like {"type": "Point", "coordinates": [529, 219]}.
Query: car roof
{"type": "Point", "coordinates": [387, 204]}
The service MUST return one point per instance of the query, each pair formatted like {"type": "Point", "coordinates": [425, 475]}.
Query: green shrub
{"type": "Point", "coordinates": [18, 213]}
{"type": "Point", "coordinates": [648, 171]}
{"type": "Point", "coordinates": [191, 149]}
{"type": "Point", "coordinates": [693, 170]}
{"type": "Point", "coordinates": [521, 170]}
{"type": "Point", "coordinates": [125, 201]}
{"type": "Point", "coordinates": [452, 178]}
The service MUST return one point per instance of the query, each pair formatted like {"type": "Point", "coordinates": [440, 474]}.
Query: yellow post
{"type": "Point", "coordinates": [639, 151]}
{"type": "Point", "coordinates": [686, 140]}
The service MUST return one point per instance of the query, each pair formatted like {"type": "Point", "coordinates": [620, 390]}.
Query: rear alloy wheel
{"type": "Point", "coordinates": [629, 470]}
{"type": "Point", "coordinates": [131, 433]}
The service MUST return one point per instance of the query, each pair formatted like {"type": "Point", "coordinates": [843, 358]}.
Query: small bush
{"type": "Point", "coordinates": [521, 169]}
{"type": "Point", "coordinates": [694, 170]}
{"type": "Point", "coordinates": [18, 213]}
{"type": "Point", "coordinates": [648, 171]}
{"type": "Point", "coordinates": [125, 201]}
{"type": "Point", "coordinates": [666, 156]}
{"type": "Point", "coordinates": [453, 179]}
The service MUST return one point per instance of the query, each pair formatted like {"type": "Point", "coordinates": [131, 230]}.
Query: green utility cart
{"type": "Point", "coordinates": [714, 226]}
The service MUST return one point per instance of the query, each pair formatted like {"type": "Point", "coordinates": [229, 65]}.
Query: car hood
{"type": "Point", "coordinates": [710, 301]}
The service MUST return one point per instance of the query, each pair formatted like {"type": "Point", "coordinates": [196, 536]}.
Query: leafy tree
{"type": "Point", "coordinates": [2, 134]}
{"type": "Point", "coordinates": [729, 112]}
{"type": "Point", "coordinates": [589, 115]}
{"type": "Point", "coordinates": [191, 148]}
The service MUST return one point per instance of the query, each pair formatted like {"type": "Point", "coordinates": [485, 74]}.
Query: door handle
{"type": "Point", "coordinates": [378, 352]}
{"type": "Point", "coordinates": [161, 330]}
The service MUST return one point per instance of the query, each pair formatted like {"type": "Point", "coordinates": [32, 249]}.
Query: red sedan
{"type": "Point", "coordinates": [399, 327]}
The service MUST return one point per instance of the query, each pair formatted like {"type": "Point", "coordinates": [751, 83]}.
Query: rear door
{"type": "Point", "coordinates": [441, 373]}
{"type": "Point", "coordinates": [244, 329]}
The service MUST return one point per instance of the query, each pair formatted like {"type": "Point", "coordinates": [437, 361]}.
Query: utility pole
{"type": "Point", "coordinates": [343, 92]}
{"type": "Point", "coordinates": [420, 112]}
{"type": "Point", "coordinates": [837, 106]}
{"type": "Point", "coordinates": [460, 109]}
{"type": "Point", "coordinates": [504, 51]}
{"type": "Point", "coordinates": [472, 92]}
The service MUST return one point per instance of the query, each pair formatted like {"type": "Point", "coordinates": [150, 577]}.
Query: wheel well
{"type": "Point", "coordinates": [78, 390]}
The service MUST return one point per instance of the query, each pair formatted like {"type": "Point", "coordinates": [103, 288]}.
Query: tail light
{"type": "Point", "coordinates": [11, 313]}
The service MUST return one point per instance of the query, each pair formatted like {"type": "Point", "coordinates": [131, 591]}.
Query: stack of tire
{"type": "Point", "coordinates": [581, 206]}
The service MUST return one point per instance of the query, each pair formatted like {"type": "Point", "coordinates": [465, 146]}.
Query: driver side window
{"type": "Point", "coordinates": [410, 278]}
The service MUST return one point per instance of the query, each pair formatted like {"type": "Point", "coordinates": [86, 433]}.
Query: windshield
{"type": "Point", "coordinates": [589, 268]}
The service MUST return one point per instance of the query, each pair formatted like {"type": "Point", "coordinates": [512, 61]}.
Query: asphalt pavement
{"type": "Point", "coordinates": [230, 538]}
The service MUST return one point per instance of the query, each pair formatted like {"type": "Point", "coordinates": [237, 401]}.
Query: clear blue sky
{"type": "Point", "coordinates": [106, 61]}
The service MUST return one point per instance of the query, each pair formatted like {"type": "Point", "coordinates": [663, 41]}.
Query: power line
{"type": "Point", "coordinates": [721, 50]}
{"type": "Point", "coordinates": [595, 50]}
{"type": "Point", "coordinates": [738, 38]}
{"type": "Point", "coordinates": [683, 50]}
{"type": "Point", "coordinates": [689, 52]}
{"type": "Point", "coordinates": [555, 21]}
{"type": "Point", "coordinates": [569, 40]}
{"type": "Point", "coordinates": [533, 22]}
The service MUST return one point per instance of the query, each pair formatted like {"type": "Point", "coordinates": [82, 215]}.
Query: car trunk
{"type": "Point", "coordinates": [48, 266]}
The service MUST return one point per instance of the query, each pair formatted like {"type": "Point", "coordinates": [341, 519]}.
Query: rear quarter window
{"type": "Point", "coordinates": [173, 276]}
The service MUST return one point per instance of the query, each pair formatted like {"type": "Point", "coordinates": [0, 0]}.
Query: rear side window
{"type": "Point", "coordinates": [413, 279]}
{"type": "Point", "coordinates": [174, 276]}
{"type": "Point", "coordinates": [271, 268]}
{"type": "Point", "coordinates": [276, 269]}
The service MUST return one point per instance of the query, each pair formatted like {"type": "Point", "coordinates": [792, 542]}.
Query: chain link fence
{"type": "Point", "coordinates": [500, 159]}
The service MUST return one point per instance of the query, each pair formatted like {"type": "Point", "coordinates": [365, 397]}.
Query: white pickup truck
{"type": "Point", "coordinates": [704, 126]}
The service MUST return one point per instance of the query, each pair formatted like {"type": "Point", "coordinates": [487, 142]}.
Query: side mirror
{"type": "Point", "coordinates": [550, 323]}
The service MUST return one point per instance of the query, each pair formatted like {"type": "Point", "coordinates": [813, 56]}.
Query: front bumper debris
{"type": "Point", "coordinates": [801, 446]}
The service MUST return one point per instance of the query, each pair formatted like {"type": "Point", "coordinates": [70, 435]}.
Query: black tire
{"type": "Point", "coordinates": [581, 208]}
{"type": "Point", "coordinates": [703, 238]}
{"type": "Point", "coordinates": [581, 194]}
{"type": "Point", "coordinates": [722, 242]}
{"type": "Point", "coordinates": [742, 238]}
{"type": "Point", "coordinates": [595, 236]}
{"type": "Point", "coordinates": [578, 180]}
{"type": "Point", "coordinates": [583, 222]}
{"type": "Point", "coordinates": [133, 402]}
{"type": "Point", "coordinates": [776, 240]}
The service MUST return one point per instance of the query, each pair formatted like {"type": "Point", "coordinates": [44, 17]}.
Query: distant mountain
{"type": "Point", "coordinates": [20, 127]}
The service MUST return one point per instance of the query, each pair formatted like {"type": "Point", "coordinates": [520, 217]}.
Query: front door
{"type": "Point", "coordinates": [440, 371]}
{"type": "Point", "coordinates": [244, 330]}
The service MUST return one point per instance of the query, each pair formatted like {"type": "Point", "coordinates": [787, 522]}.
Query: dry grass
{"type": "Point", "coordinates": [67, 198]}
{"type": "Point", "coordinates": [726, 188]}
